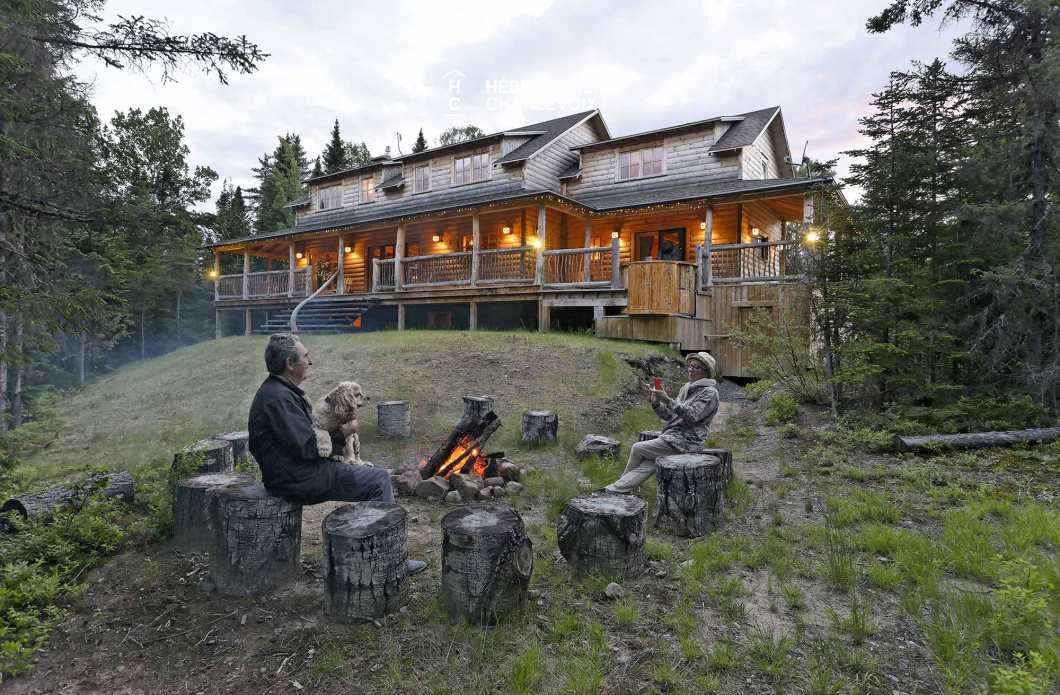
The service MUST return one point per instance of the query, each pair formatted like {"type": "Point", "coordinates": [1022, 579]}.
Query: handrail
{"type": "Point", "coordinates": [577, 250]}
{"type": "Point", "coordinates": [294, 314]}
{"type": "Point", "coordinates": [432, 256]}
{"type": "Point", "coordinates": [753, 245]}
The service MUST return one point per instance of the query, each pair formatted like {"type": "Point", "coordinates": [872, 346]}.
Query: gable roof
{"type": "Point", "coordinates": [548, 131]}
{"type": "Point", "coordinates": [654, 192]}
{"type": "Point", "coordinates": [746, 131]}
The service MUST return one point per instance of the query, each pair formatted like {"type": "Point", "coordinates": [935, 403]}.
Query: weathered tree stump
{"type": "Point", "coordinates": [689, 501]}
{"type": "Point", "coordinates": [240, 446]}
{"type": "Point", "coordinates": [487, 560]}
{"type": "Point", "coordinates": [597, 444]}
{"type": "Point", "coordinates": [646, 435]}
{"type": "Point", "coordinates": [31, 506]}
{"type": "Point", "coordinates": [539, 426]}
{"type": "Point", "coordinates": [205, 456]}
{"type": "Point", "coordinates": [365, 560]}
{"type": "Point", "coordinates": [191, 521]}
{"type": "Point", "coordinates": [603, 532]}
{"type": "Point", "coordinates": [255, 540]}
{"type": "Point", "coordinates": [395, 419]}
{"type": "Point", "coordinates": [725, 456]}
{"type": "Point", "coordinates": [476, 407]}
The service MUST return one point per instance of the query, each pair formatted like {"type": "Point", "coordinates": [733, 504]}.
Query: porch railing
{"type": "Point", "coordinates": [438, 269]}
{"type": "Point", "coordinates": [271, 283]}
{"type": "Point", "coordinates": [507, 265]}
{"type": "Point", "coordinates": [732, 263]}
{"type": "Point", "coordinates": [596, 266]}
{"type": "Point", "coordinates": [383, 276]}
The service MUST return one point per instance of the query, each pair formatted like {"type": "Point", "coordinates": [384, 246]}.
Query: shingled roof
{"type": "Point", "coordinates": [656, 192]}
{"type": "Point", "coordinates": [746, 131]}
{"type": "Point", "coordinates": [550, 130]}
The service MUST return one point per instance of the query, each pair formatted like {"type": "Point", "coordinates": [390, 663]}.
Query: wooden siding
{"type": "Point", "coordinates": [661, 288]}
{"type": "Point", "coordinates": [690, 333]}
{"type": "Point", "coordinates": [544, 168]}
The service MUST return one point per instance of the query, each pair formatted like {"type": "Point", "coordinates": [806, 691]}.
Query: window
{"type": "Point", "coordinates": [421, 178]}
{"type": "Point", "coordinates": [330, 197]}
{"type": "Point", "coordinates": [367, 190]}
{"type": "Point", "coordinates": [635, 164]}
{"type": "Point", "coordinates": [472, 168]}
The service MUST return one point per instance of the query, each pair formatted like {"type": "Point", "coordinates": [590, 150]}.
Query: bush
{"type": "Point", "coordinates": [782, 408]}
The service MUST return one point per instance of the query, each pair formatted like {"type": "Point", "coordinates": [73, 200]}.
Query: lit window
{"type": "Point", "coordinates": [421, 178]}
{"type": "Point", "coordinates": [330, 197]}
{"type": "Point", "coordinates": [471, 168]}
{"type": "Point", "coordinates": [634, 164]}
{"type": "Point", "coordinates": [367, 190]}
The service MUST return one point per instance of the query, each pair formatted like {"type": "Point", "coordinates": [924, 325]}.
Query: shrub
{"type": "Point", "coordinates": [782, 408]}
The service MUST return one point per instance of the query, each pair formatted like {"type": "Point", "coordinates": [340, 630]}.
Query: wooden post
{"type": "Point", "coordinates": [399, 257]}
{"type": "Point", "coordinates": [248, 322]}
{"type": "Point", "coordinates": [217, 332]}
{"type": "Point", "coordinates": [290, 269]}
{"type": "Point", "coordinates": [472, 316]}
{"type": "Point", "coordinates": [476, 242]}
{"type": "Point", "coordinates": [401, 317]}
{"type": "Point", "coordinates": [708, 237]}
{"type": "Point", "coordinates": [616, 264]}
{"type": "Point", "coordinates": [246, 273]}
{"type": "Point", "coordinates": [340, 281]}
{"type": "Point", "coordinates": [586, 244]}
{"type": "Point", "coordinates": [375, 276]}
{"type": "Point", "coordinates": [540, 274]}
{"type": "Point", "coordinates": [216, 276]}
{"type": "Point", "coordinates": [543, 316]}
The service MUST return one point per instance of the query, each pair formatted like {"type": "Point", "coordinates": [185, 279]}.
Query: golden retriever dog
{"type": "Point", "coordinates": [338, 408]}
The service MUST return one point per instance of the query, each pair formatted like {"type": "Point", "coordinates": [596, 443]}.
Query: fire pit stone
{"type": "Point", "coordinates": [434, 487]}
{"type": "Point", "coordinates": [467, 485]}
{"type": "Point", "coordinates": [453, 497]}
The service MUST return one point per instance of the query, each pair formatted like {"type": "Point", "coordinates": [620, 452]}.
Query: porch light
{"type": "Point", "coordinates": [213, 274]}
{"type": "Point", "coordinates": [755, 231]}
{"type": "Point", "coordinates": [298, 255]}
{"type": "Point", "coordinates": [534, 241]}
{"type": "Point", "coordinates": [614, 235]}
{"type": "Point", "coordinates": [436, 238]}
{"type": "Point", "coordinates": [506, 230]}
{"type": "Point", "coordinates": [812, 237]}
{"type": "Point", "coordinates": [703, 226]}
{"type": "Point", "coordinates": [349, 249]}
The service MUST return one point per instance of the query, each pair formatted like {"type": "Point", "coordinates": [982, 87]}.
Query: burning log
{"type": "Point", "coordinates": [31, 506]}
{"type": "Point", "coordinates": [603, 532]}
{"type": "Point", "coordinates": [690, 494]}
{"type": "Point", "coordinates": [487, 560]}
{"type": "Point", "coordinates": [463, 447]}
{"type": "Point", "coordinates": [539, 426]}
{"type": "Point", "coordinates": [365, 560]}
{"type": "Point", "coordinates": [191, 528]}
{"type": "Point", "coordinates": [256, 539]}
{"type": "Point", "coordinates": [476, 407]}
{"type": "Point", "coordinates": [395, 419]}
{"type": "Point", "coordinates": [207, 456]}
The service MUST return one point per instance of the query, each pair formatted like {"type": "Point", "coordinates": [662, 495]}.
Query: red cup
{"type": "Point", "coordinates": [658, 383]}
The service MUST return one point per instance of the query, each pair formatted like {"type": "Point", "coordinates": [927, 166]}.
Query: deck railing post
{"type": "Point", "coordinates": [616, 272]}
{"type": "Point", "coordinates": [216, 275]}
{"type": "Point", "coordinates": [375, 275]}
{"type": "Point", "coordinates": [539, 275]}
{"type": "Point", "coordinates": [707, 278]}
{"type": "Point", "coordinates": [340, 280]}
{"type": "Point", "coordinates": [290, 269]}
{"type": "Point", "coordinates": [588, 272]}
{"type": "Point", "coordinates": [476, 242]}
{"type": "Point", "coordinates": [399, 257]}
{"type": "Point", "coordinates": [246, 273]}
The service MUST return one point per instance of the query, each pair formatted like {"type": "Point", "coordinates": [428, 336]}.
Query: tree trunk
{"type": "Point", "coordinates": [204, 456]}
{"type": "Point", "coordinates": [180, 294]}
{"type": "Point", "coordinates": [191, 527]}
{"type": "Point", "coordinates": [487, 560]}
{"type": "Point", "coordinates": [539, 426]}
{"type": "Point", "coordinates": [81, 362]}
{"type": "Point", "coordinates": [31, 506]}
{"type": "Point", "coordinates": [3, 371]}
{"type": "Point", "coordinates": [974, 440]}
{"type": "Point", "coordinates": [689, 501]}
{"type": "Point", "coordinates": [143, 338]}
{"type": "Point", "coordinates": [16, 388]}
{"type": "Point", "coordinates": [365, 560]}
{"type": "Point", "coordinates": [603, 532]}
{"type": "Point", "coordinates": [394, 419]}
{"type": "Point", "coordinates": [255, 540]}
{"type": "Point", "coordinates": [476, 407]}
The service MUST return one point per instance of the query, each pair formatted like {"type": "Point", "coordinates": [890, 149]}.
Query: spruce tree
{"type": "Point", "coordinates": [317, 169]}
{"type": "Point", "coordinates": [335, 155]}
{"type": "Point", "coordinates": [357, 154]}
{"type": "Point", "coordinates": [421, 143]}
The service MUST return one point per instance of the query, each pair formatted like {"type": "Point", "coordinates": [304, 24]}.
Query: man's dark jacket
{"type": "Point", "coordinates": [283, 441]}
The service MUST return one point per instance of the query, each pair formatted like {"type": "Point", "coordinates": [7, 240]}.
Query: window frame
{"type": "Point", "coordinates": [415, 180]}
{"type": "Point", "coordinates": [641, 163]}
{"type": "Point", "coordinates": [333, 191]}
{"type": "Point", "coordinates": [366, 193]}
{"type": "Point", "coordinates": [476, 161]}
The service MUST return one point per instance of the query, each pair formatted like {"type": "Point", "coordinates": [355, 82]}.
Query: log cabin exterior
{"type": "Point", "coordinates": [673, 235]}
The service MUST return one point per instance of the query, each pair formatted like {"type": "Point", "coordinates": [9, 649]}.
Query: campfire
{"type": "Point", "coordinates": [462, 450]}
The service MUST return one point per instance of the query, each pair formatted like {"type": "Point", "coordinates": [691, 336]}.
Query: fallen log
{"type": "Point", "coordinates": [975, 440]}
{"type": "Point", "coordinates": [31, 506]}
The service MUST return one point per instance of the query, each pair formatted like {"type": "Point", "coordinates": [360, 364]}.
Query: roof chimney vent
{"type": "Point", "coordinates": [386, 152]}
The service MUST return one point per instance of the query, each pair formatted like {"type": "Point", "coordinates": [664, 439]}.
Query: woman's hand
{"type": "Point", "coordinates": [658, 396]}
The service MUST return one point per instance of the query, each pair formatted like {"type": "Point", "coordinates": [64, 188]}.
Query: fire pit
{"type": "Point", "coordinates": [462, 450]}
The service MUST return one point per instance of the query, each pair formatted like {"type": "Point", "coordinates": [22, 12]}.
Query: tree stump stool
{"type": "Point", "coordinates": [725, 456]}
{"type": "Point", "coordinates": [539, 426]}
{"type": "Point", "coordinates": [365, 560]}
{"type": "Point", "coordinates": [689, 501]}
{"type": "Point", "coordinates": [395, 419]}
{"type": "Point", "coordinates": [256, 539]}
{"type": "Point", "coordinates": [597, 444]}
{"type": "Point", "coordinates": [240, 446]}
{"type": "Point", "coordinates": [487, 560]}
{"type": "Point", "coordinates": [475, 407]}
{"type": "Point", "coordinates": [205, 456]}
{"type": "Point", "coordinates": [646, 435]}
{"type": "Point", "coordinates": [191, 523]}
{"type": "Point", "coordinates": [603, 532]}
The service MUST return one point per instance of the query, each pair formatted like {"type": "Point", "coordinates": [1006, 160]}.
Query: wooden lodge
{"type": "Point", "coordinates": [673, 235]}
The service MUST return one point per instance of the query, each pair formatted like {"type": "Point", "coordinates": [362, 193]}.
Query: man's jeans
{"type": "Point", "coordinates": [337, 481]}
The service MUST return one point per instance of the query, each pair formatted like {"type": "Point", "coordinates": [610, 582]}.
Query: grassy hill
{"type": "Point", "coordinates": [137, 417]}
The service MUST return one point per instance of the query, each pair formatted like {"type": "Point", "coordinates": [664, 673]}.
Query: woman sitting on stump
{"type": "Point", "coordinates": [687, 423]}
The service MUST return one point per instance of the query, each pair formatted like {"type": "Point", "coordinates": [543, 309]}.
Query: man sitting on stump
{"type": "Point", "coordinates": [294, 456]}
{"type": "Point", "coordinates": [688, 421]}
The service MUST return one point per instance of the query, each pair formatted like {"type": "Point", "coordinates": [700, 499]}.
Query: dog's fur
{"type": "Point", "coordinates": [338, 408]}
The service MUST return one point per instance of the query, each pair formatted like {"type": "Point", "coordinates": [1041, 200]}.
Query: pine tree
{"type": "Point", "coordinates": [335, 155]}
{"type": "Point", "coordinates": [232, 221]}
{"type": "Point", "coordinates": [357, 154]}
{"type": "Point", "coordinates": [280, 177]}
{"type": "Point", "coordinates": [421, 143]}
{"type": "Point", "coordinates": [317, 169]}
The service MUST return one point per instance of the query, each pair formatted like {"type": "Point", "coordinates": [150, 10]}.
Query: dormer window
{"type": "Point", "coordinates": [635, 164]}
{"type": "Point", "coordinates": [421, 178]}
{"type": "Point", "coordinates": [367, 190]}
{"type": "Point", "coordinates": [328, 198]}
{"type": "Point", "coordinates": [475, 167]}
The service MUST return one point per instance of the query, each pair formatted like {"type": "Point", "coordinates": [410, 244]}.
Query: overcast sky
{"type": "Point", "coordinates": [393, 67]}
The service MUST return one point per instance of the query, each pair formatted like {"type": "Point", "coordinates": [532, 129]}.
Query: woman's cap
{"type": "Point", "coordinates": [704, 358]}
